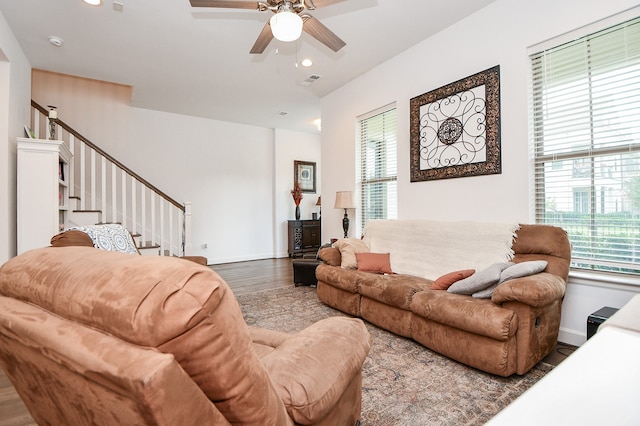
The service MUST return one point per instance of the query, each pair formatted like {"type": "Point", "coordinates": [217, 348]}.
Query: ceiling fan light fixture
{"type": "Point", "coordinates": [286, 26]}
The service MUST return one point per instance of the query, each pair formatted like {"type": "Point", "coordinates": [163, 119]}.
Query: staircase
{"type": "Point", "coordinates": [103, 190]}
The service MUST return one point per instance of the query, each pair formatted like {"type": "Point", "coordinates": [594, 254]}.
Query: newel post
{"type": "Point", "coordinates": [187, 229]}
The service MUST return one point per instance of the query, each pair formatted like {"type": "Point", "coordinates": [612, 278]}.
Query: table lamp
{"type": "Point", "coordinates": [344, 200]}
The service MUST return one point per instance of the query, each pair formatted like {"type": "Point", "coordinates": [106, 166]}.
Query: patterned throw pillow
{"type": "Point", "coordinates": [110, 237]}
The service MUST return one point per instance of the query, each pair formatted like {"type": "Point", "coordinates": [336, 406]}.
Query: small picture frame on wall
{"type": "Point", "coordinates": [304, 174]}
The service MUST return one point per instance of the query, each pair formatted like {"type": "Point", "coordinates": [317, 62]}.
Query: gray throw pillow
{"type": "Point", "coordinates": [523, 269]}
{"type": "Point", "coordinates": [518, 270]}
{"type": "Point", "coordinates": [480, 280]}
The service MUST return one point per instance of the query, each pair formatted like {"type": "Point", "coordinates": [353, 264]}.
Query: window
{"type": "Point", "coordinates": [378, 166]}
{"type": "Point", "coordinates": [586, 139]}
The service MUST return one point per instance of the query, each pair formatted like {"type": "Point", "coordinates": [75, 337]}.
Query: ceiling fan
{"type": "Point", "coordinates": [287, 12]}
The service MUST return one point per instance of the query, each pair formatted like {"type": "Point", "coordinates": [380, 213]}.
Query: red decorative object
{"type": "Point", "coordinates": [296, 193]}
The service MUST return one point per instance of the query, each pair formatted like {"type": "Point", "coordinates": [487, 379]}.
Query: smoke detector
{"type": "Point", "coordinates": [56, 41]}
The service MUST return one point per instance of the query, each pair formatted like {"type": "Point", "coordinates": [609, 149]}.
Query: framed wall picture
{"type": "Point", "coordinates": [455, 129]}
{"type": "Point", "coordinates": [304, 174]}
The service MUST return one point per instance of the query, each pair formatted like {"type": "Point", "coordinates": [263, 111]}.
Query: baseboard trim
{"type": "Point", "coordinates": [571, 337]}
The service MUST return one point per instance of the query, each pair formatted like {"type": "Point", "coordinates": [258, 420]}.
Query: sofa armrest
{"type": "Point", "coordinates": [331, 256]}
{"type": "Point", "coordinates": [534, 290]}
{"type": "Point", "coordinates": [312, 369]}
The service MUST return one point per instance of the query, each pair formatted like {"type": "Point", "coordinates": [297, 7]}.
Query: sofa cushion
{"type": "Point", "coordinates": [445, 281]}
{"type": "Point", "coordinates": [330, 256]}
{"type": "Point", "coordinates": [344, 279]}
{"type": "Point", "coordinates": [518, 270]}
{"type": "Point", "coordinates": [480, 280]}
{"type": "Point", "coordinates": [348, 248]}
{"type": "Point", "coordinates": [544, 242]}
{"type": "Point", "coordinates": [395, 290]}
{"type": "Point", "coordinates": [478, 316]}
{"type": "Point", "coordinates": [311, 376]}
{"type": "Point", "coordinates": [378, 263]}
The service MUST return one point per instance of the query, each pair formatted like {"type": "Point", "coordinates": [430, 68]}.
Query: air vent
{"type": "Point", "coordinates": [310, 80]}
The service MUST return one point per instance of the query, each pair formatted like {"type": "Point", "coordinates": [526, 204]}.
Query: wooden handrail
{"type": "Point", "coordinates": [93, 146]}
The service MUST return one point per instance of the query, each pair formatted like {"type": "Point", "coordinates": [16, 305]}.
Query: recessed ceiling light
{"type": "Point", "coordinates": [56, 41]}
{"type": "Point", "coordinates": [306, 62]}
{"type": "Point", "coordinates": [94, 2]}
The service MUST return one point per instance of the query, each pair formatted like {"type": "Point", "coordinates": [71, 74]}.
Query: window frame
{"type": "Point", "coordinates": [363, 183]}
{"type": "Point", "coordinates": [590, 158]}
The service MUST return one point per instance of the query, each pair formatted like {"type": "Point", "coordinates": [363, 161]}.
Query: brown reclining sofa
{"type": "Point", "coordinates": [507, 333]}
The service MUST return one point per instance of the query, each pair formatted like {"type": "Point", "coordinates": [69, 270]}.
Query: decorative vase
{"type": "Point", "coordinates": [297, 212]}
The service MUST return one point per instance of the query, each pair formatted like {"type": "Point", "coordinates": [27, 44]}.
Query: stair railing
{"type": "Point", "coordinates": [100, 183]}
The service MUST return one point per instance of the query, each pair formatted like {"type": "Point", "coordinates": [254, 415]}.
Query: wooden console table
{"type": "Point", "coordinates": [304, 237]}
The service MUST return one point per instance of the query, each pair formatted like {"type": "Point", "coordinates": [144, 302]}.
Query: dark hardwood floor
{"type": "Point", "coordinates": [242, 277]}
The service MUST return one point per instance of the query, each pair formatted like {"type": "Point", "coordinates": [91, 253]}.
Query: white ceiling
{"type": "Point", "coordinates": [196, 61]}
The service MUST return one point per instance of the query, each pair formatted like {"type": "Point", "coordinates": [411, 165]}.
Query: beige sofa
{"type": "Point", "coordinates": [505, 334]}
{"type": "Point", "coordinates": [89, 336]}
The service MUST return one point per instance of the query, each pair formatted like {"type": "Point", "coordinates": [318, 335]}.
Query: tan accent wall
{"type": "Point", "coordinates": [97, 109]}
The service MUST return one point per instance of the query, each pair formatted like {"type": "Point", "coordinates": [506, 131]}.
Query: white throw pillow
{"type": "Point", "coordinates": [348, 248]}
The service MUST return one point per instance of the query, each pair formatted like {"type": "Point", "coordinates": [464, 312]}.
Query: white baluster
{"type": "Point", "coordinates": [143, 213]}
{"type": "Point", "coordinates": [123, 189]}
{"type": "Point", "coordinates": [134, 205]}
{"type": "Point", "coordinates": [92, 175]}
{"type": "Point", "coordinates": [171, 236]}
{"type": "Point", "coordinates": [103, 186]}
{"type": "Point", "coordinates": [153, 218]}
{"type": "Point", "coordinates": [187, 229]}
{"type": "Point", "coordinates": [162, 224]}
{"type": "Point", "coordinates": [114, 194]}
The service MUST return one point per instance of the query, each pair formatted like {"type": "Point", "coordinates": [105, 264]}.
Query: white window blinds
{"type": "Point", "coordinates": [378, 166]}
{"type": "Point", "coordinates": [586, 135]}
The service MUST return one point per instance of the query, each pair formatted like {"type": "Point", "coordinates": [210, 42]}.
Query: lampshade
{"type": "Point", "coordinates": [344, 200]}
{"type": "Point", "coordinates": [318, 203]}
{"type": "Point", "coordinates": [286, 25]}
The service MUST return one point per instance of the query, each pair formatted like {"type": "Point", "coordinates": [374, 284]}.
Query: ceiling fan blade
{"type": "Point", "coordinates": [230, 4]}
{"type": "Point", "coordinates": [324, 35]}
{"type": "Point", "coordinates": [263, 40]}
{"type": "Point", "coordinates": [315, 4]}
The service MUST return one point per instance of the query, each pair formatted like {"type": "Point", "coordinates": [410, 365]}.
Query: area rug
{"type": "Point", "coordinates": [403, 382]}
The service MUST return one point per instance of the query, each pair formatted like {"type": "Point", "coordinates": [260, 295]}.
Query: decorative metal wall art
{"type": "Point", "coordinates": [455, 129]}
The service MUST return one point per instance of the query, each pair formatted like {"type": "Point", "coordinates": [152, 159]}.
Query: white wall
{"type": "Point", "coordinates": [236, 176]}
{"type": "Point", "coordinates": [499, 34]}
{"type": "Point", "coordinates": [292, 146]}
{"type": "Point", "coordinates": [15, 86]}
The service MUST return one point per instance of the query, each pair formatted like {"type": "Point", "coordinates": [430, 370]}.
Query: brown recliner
{"type": "Point", "coordinates": [95, 337]}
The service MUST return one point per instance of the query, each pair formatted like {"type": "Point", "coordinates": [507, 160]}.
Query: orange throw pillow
{"type": "Point", "coordinates": [445, 281]}
{"type": "Point", "coordinates": [378, 263]}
